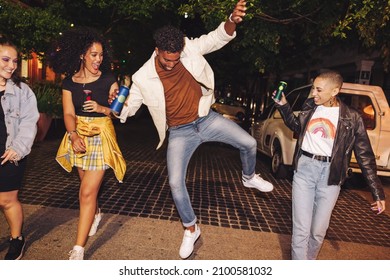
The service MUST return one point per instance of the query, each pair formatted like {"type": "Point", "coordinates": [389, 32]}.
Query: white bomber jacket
{"type": "Point", "coordinates": [147, 88]}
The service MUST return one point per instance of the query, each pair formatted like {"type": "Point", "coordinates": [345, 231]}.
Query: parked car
{"type": "Point", "coordinates": [277, 141]}
{"type": "Point", "coordinates": [230, 109]}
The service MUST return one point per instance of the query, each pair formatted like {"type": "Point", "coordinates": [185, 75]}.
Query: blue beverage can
{"type": "Point", "coordinates": [117, 104]}
{"type": "Point", "coordinates": [281, 87]}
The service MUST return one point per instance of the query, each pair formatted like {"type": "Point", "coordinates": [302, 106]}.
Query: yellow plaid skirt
{"type": "Point", "coordinates": [92, 159]}
{"type": "Point", "coordinates": [102, 151]}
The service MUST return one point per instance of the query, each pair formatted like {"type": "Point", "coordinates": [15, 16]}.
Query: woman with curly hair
{"type": "Point", "coordinates": [18, 118]}
{"type": "Point", "coordinates": [90, 142]}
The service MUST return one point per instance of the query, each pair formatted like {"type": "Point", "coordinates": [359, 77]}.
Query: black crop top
{"type": "Point", "coordinates": [99, 90]}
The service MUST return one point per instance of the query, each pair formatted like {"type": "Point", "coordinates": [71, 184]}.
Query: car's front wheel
{"type": "Point", "coordinates": [278, 168]}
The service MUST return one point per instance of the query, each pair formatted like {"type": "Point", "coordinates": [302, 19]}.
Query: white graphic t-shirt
{"type": "Point", "coordinates": [321, 131]}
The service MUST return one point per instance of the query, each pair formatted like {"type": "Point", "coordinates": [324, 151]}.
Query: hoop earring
{"type": "Point", "coordinates": [332, 101]}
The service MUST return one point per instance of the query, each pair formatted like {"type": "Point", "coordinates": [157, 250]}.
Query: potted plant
{"type": "Point", "coordinates": [49, 103]}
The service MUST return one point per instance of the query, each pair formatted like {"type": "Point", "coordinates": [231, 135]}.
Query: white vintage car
{"type": "Point", "coordinates": [230, 109]}
{"type": "Point", "coordinates": [277, 141]}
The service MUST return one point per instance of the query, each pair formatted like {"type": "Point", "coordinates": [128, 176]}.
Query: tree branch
{"type": "Point", "coordinates": [286, 21]}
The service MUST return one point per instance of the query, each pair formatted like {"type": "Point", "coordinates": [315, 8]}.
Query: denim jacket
{"type": "Point", "coordinates": [351, 136]}
{"type": "Point", "coordinates": [21, 116]}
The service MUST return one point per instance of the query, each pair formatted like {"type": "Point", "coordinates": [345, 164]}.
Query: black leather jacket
{"type": "Point", "coordinates": [351, 135]}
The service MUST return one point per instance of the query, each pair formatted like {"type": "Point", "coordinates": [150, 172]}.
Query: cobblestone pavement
{"type": "Point", "coordinates": [214, 184]}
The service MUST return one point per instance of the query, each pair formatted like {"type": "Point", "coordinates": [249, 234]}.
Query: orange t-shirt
{"type": "Point", "coordinates": [182, 94]}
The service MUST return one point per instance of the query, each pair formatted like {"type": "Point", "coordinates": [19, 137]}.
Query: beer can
{"type": "Point", "coordinates": [117, 104]}
{"type": "Point", "coordinates": [281, 87]}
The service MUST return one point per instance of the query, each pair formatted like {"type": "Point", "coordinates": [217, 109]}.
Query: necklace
{"type": "Point", "coordinates": [84, 79]}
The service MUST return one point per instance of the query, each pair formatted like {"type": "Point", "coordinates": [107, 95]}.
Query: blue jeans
{"type": "Point", "coordinates": [313, 201]}
{"type": "Point", "coordinates": [185, 139]}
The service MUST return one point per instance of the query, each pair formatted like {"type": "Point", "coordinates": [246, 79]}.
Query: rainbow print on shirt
{"type": "Point", "coordinates": [323, 127]}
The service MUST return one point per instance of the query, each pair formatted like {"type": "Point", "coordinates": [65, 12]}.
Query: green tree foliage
{"type": "Point", "coordinates": [276, 33]}
{"type": "Point", "coordinates": [30, 28]}
{"type": "Point", "coordinates": [370, 20]}
{"type": "Point", "coordinates": [128, 25]}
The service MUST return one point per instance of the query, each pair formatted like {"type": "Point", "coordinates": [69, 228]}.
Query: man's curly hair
{"type": "Point", "coordinates": [64, 55]}
{"type": "Point", "coordinates": [169, 38]}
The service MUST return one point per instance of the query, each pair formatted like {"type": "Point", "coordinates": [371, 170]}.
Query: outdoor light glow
{"type": "Point", "coordinates": [185, 15]}
{"type": "Point", "coordinates": [369, 110]}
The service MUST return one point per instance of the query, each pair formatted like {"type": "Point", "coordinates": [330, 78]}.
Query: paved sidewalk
{"type": "Point", "coordinates": [140, 221]}
{"type": "Point", "coordinates": [51, 232]}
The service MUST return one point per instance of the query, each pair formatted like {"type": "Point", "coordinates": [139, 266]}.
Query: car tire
{"type": "Point", "coordinates": [278, 169]}
{"type": "Point", "coordinates": [355, 181]}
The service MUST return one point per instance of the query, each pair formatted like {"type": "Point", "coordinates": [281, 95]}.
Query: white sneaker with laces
{"type": "Point", "coordinates": [77, 253]}
{"type": "Point", "coordinates": [95, 224]}
{"type": "Point", "coordinates": [189, 239]}
{"type": "Point", "coordinates": [257, 182]}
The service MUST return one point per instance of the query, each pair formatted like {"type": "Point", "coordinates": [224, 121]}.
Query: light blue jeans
{"type": "Point", "coordinates": [185, 139]}
{"type": "Point", "coordinates": [313, 201]}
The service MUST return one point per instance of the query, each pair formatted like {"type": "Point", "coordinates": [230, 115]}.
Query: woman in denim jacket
{"type": "Point", "coordinates": [18, 118]}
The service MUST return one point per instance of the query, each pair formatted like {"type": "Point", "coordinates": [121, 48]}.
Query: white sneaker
{"type": "Point", "coordinates": [77, 253]}
{"type": "Point", "coordinates": [189, 239]}
{"type": "Point", "coordinates": [95, 224]}
{"type": "Point", "coordinates": [258, 183]}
